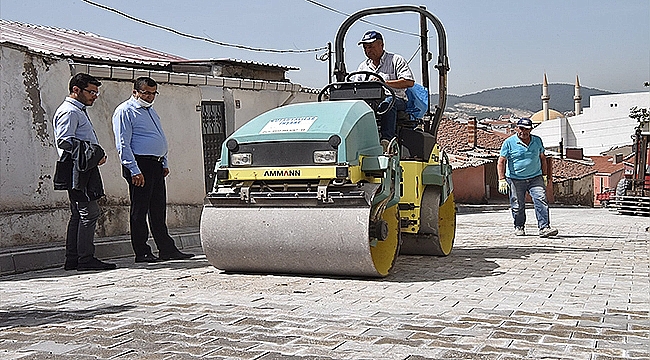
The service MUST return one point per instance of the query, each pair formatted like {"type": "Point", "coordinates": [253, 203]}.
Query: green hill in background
{"type": "Point", "coordinates": [527, 97]}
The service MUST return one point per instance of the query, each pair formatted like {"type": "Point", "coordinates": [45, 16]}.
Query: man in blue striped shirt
{"type": "Point", "coordinates": [142, 147]}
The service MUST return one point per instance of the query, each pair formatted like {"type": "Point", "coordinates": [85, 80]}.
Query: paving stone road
{"type": "Point", "coordinates": [584, 294]}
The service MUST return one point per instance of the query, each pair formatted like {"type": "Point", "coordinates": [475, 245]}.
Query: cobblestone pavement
{"type": "Point", "coordinates": [581, 295]}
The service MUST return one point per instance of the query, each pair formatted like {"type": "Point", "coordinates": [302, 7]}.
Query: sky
{"type": "Point", "coordinates": [491, 44]}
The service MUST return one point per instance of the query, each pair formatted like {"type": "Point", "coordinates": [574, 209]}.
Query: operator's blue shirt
{"type": "Point", "coordinates": [71, 121]}
{"type": "Point", "coordinates": [138, 131]}
{"type": "Point", "coordinates": [523, 161]}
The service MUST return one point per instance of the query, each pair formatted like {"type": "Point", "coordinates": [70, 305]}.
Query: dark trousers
{"type": "Point", "coordinates": [149, 201]}
{"type": "Point", "coordinates": [389, 119]}
{"type": "Point", "coordinates": [79, 242]}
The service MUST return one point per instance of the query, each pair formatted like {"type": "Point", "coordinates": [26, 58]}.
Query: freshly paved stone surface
{"type": "Point", "coordinates": [584, 294]}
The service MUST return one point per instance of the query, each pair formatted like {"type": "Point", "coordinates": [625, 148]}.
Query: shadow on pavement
{"type": "Point", "coordinates": [17, 317]}
{"type": "Point", "coordinates": [562, 236]}
{"type": "Point", "coordinates": [122, 264]}
{"type": "Point", "coordinates": [467, 262]}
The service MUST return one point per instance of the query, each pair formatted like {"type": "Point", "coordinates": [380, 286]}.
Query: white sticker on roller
{"type": "Point", "coordinates": [293, 124]}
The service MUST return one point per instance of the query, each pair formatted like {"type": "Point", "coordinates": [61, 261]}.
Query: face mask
{"type": "Point", "coordinates": [144, 103]}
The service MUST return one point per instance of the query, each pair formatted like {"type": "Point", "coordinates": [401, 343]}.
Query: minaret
{"type": "Point", "coordinates": [577, 98]}
{"type": "Point", "coordinates": [545, 98]}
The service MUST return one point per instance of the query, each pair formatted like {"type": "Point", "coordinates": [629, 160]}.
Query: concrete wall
{"type": "Point", "coordinates": [575, 191]}
{"type": "Point", "coordinates": [32, 213]}
{"type": "Point", "coordinates": [469, 185]}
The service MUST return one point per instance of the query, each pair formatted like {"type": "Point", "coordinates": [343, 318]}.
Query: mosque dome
{"type": "Point", "coordinates": [538, 117]}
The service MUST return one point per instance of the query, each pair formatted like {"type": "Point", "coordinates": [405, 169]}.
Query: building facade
{"type": "Point", "coordinates": [602, 126]}
{"type": "Point", "coordinates": [197, 111]}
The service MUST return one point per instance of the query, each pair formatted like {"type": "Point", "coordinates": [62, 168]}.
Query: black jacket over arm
{"type": "Point", "coordinates": [77, 170]}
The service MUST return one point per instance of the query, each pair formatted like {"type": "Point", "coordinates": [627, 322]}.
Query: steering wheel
{"type": "Point", "coordinates": [381, 80]}
{"type": "Point", "coordinates": [368, 74]}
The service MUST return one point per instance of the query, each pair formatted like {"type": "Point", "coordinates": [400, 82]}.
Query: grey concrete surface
{"type": "Point", "coordinates": [584, 294]}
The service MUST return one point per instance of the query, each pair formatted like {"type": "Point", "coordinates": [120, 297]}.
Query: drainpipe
{"type": "Point", "coordinates": [471, 132]}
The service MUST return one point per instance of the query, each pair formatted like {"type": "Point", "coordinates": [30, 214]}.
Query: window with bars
{"type": "Point", "coordinates": [213, 129]}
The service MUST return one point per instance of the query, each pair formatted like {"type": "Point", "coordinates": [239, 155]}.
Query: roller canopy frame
{"type": "Point", "coordinates": [340, 70]}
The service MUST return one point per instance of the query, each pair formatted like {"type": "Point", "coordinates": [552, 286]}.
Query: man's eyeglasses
{"type": "Point", "coordinates": [91, 92]}
{"type": "Point", "coordinates": [145, 92]}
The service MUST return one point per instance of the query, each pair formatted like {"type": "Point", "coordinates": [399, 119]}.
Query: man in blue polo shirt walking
{"type": "Point", "coordinates": [522, 168]}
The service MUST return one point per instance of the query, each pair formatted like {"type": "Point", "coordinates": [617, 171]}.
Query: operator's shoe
{"type": "Point", "coordinates": [95, 264]}
{"type": "Point", "coordinates": [70, 265]}
{"type": "Point", "coordinates": [547, 231]}
{"type": "Point", "coordinates": [519, 231]}
{"type": "Point", "coordinates": [177, 255]}
{"type": "Point", "coordinates": [384, 144]}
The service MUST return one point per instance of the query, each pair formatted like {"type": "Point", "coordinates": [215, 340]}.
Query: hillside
{"type": "Point", "coordinates": [518, 101]}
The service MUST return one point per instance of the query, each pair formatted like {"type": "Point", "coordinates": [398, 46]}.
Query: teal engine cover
{"type": "Point", "coordinates": [353, 121]}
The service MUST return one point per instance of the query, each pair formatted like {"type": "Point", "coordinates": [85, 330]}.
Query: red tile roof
{"type": "Point", "coordinates": [605, 164]}
{"type": "Point", "coordinates": [452, 137]}
{"type": "Point", "coordinates": [566, 169]}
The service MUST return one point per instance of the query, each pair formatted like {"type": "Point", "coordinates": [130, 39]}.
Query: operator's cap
{"type": "Point", "coordinates": [370, 36]}
{"type": "Point", "coordinates": [525, 123]}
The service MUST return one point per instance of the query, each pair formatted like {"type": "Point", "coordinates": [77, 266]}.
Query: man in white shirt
{"type": "Point", "coordinates": [395, 72]}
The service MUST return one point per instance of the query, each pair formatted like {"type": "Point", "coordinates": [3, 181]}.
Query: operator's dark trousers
{"type": "Point", "coordinates": [149, 201]}
{"type": "Point", "coordinates": [389, 119]}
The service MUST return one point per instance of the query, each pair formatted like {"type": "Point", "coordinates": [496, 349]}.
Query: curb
{"type": "Point", "coordinates": [19, 260]}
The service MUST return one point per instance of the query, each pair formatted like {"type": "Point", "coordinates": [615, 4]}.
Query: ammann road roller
{"type": "Point", "coordinates": [308, 188]}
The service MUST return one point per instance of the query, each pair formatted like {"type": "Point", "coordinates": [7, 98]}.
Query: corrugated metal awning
{"type": "Point", "coordinates": [79, 44]}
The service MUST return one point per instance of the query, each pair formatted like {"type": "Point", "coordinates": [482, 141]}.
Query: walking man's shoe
{"type": "Point", "coordinates": [146, 258]}
{"type": "Point", "coordinates": [519, 231]}
{"type": "Point", "coordinates": [547, 231]}
{"type": "Point", "coordinates": [177, 255]}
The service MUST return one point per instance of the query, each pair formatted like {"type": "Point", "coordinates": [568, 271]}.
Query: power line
{"type": "Point", "coordinates": [364, 21]}
{"type": "Point", "coordinates": [195, 37]}
{"type": "Point", "coordinates": [415, 53]}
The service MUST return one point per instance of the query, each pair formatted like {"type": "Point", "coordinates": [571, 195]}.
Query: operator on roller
{"type": "Point", "coordinates": [522, 168]}
{"type": "Point", "coordinates": [396, 73]}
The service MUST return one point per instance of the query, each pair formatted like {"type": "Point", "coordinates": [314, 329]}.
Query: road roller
{"type": "Point", "coordinates": [309, 189]}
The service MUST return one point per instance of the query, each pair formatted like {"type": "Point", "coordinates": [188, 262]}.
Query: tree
{"type": "Point", "coordinates": [641, 115]}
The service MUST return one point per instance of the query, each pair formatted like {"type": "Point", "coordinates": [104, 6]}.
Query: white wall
{"type": "Point", "coordinates": [602, 126]}
{"type": "Point", "coordinates": [31, 212]}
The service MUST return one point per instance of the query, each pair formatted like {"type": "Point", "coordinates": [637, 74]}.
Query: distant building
{"type": "Point", "coordinates": [610, 170]}
{"type": "Point", "coordinates": [472, 155]}
{"type": "Point", "coordinates": [550, 114]}
{"type": "Point", "coordinates": [573, 181]}
{"type": "Point", "coordinates": [602, 126]}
